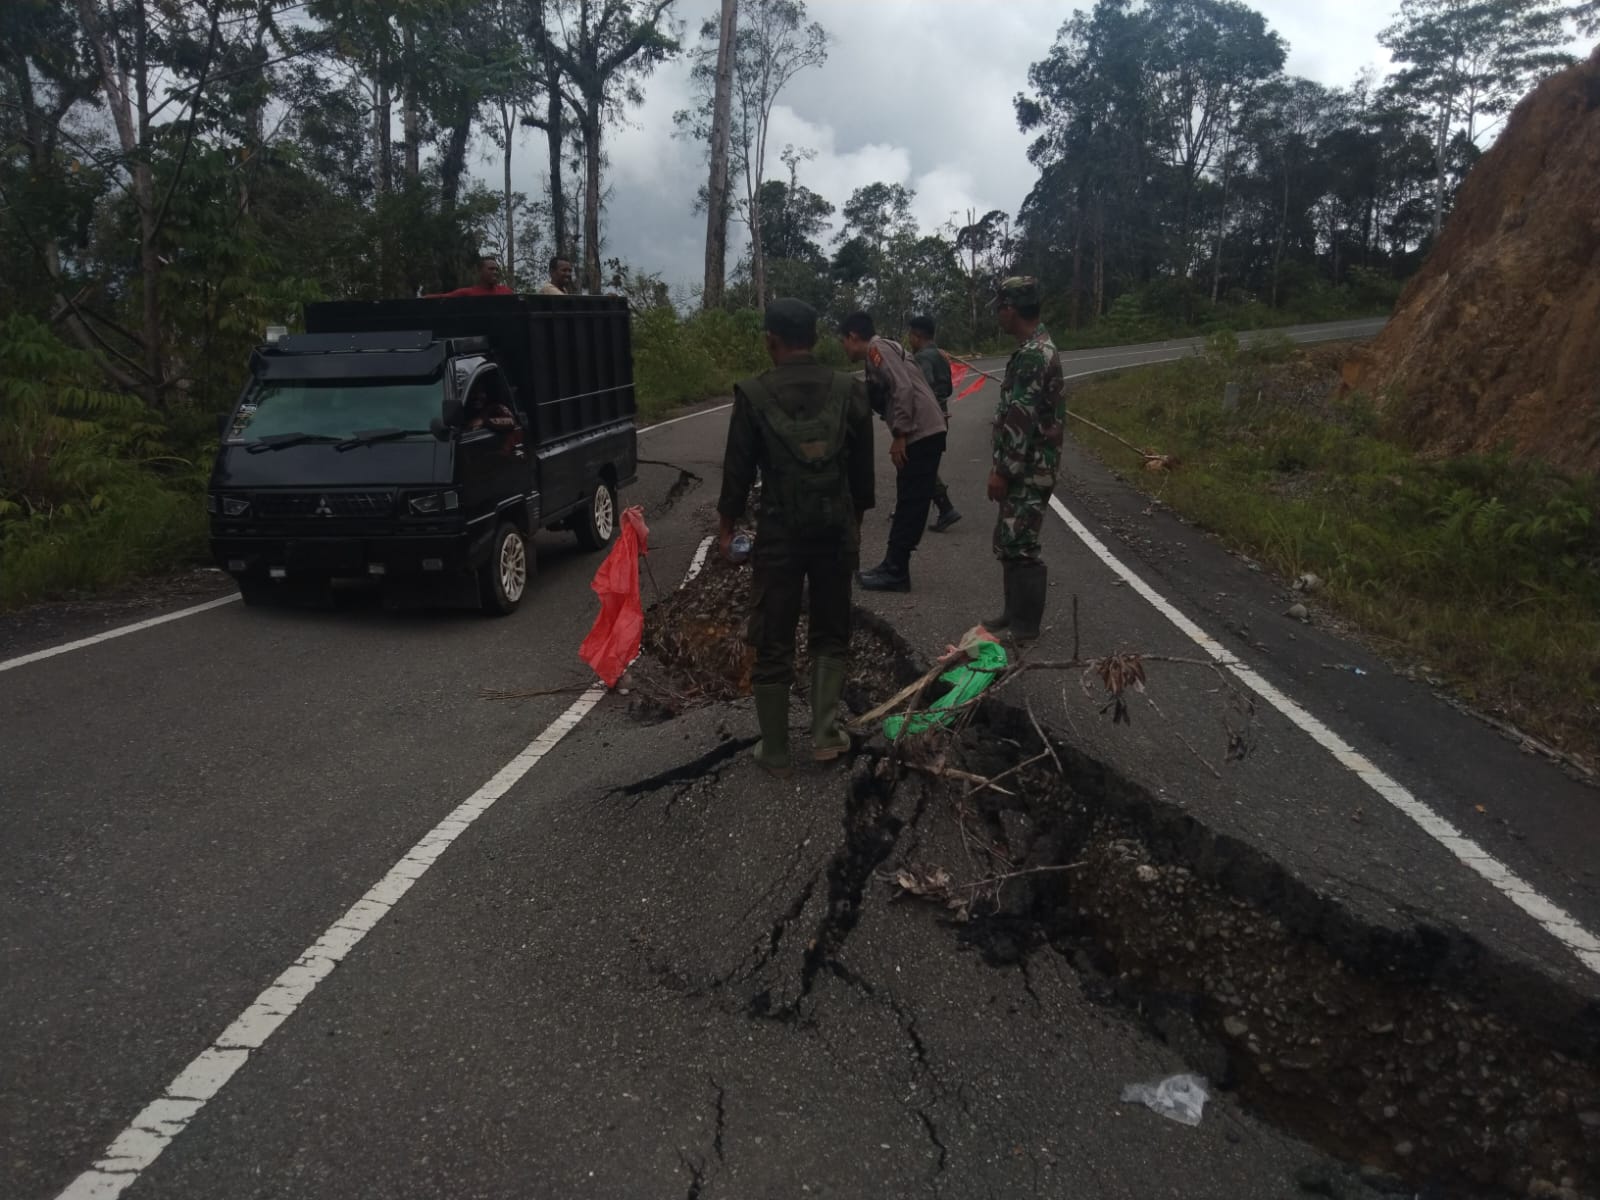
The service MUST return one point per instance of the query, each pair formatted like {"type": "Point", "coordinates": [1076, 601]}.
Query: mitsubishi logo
{"type": "Point", "coordinates": [323, 508]}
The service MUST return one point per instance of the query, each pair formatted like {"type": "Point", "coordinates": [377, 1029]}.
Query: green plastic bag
{"type": "Point", "coordinates": [986, 660]}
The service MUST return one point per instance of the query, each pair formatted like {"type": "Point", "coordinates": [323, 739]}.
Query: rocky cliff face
{"type": "Point", "coordinates": [1497, 340]}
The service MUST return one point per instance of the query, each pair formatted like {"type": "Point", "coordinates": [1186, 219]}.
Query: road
{"type": "Point", "coordinates": [534, 953]}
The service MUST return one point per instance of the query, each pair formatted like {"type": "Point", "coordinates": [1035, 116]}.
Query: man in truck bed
{"type": "Point", "coordinates": [488, 282]}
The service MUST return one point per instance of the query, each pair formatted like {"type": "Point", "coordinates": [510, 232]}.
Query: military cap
{"type": "Point", "coordinates": [794, 321]}
{"type": "Point", "coordinates": [1018, 290]}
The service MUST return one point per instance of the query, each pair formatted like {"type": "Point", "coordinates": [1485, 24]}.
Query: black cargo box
{"type": "Point", "coordinates": [569, 357]}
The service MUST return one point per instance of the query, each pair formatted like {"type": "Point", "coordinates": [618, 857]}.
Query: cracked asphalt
{"type": "Point", "coordinates": [649, 970]}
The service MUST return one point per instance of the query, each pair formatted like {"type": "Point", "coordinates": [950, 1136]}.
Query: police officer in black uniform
{"type": "Point", "coordinates": [807, 430]}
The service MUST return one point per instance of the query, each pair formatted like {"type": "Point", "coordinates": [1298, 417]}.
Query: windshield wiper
{"type": "Point", "coordinates": [277, 441]}
{"type": "Point", "coordinates": [366, 437]}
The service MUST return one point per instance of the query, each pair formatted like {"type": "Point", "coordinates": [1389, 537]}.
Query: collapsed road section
{"type": "Point", "coordinates": [1416, 1061]}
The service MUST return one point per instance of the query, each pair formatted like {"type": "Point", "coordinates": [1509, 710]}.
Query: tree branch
{"type": "Point", "coordinates": [194, 121]}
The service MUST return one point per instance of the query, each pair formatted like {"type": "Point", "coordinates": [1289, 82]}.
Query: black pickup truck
{"type": "Point", "coordinates": [423, 442]}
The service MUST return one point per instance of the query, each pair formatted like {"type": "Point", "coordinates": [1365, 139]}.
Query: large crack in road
{"type": "Point", "coordinates": [1412, 1053]}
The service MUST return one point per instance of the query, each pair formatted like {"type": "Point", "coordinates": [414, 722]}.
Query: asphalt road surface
{"type": "Point", "coordinates": [291, 910]}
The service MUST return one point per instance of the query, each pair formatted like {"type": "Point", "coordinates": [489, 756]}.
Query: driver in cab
{"type": "Point", "coordinates": [484, 411]}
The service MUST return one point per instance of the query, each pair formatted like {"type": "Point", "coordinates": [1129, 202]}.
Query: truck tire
{"type": "Point", "coordinates": [503, 580]}
{"type": "Point", "coordinates": [596, 525]}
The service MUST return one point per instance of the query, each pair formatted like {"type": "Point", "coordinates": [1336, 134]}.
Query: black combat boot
{"type": "Point", "coordinates": [885, 577]}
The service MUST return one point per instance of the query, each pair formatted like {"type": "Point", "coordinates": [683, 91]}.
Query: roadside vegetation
{"type": "Point", "coordinates": [148, 235]}
{"type": "Point", "coordinates": [1482, 571]}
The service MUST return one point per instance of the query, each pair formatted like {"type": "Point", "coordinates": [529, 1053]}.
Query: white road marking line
{"type": "Point", "coordinates": [1557, 922]}
{"type": "Point", "coordinates": [163, 1119]}
{"type": "Point", "coordinates": [1175, 349]}
{"type": "Point", "coordinates": [120, 631]}
{"type": "Point", "coordinates": [699, 559]}
{"type": "Point", "coordinates": [704, 412]}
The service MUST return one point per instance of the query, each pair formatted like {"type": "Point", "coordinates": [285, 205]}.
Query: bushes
{"type": "Point", "coordinates": [685, 360]}
{"type": "Point", "coordinates": [679, 361]}
{"type": "Point", "coordinates": [93, 487]}
{"type": "Point", "coordinates": [1486, 567]}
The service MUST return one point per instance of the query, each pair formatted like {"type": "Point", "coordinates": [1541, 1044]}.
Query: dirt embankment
{"type": "Point", "coordinates": [1497, 339]}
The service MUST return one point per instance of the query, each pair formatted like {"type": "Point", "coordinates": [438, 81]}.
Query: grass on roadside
{"type": "Point", "coordinates": [1484, 568]}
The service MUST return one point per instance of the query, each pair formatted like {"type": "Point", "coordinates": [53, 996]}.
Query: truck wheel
{"type": "Point", "coordinates": [504, 578]}
{"type": "Point", "coordinates": [596, 526]}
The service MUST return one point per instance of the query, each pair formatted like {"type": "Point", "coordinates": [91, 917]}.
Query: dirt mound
{"type": "Point", "coordinates": [1498, 338]}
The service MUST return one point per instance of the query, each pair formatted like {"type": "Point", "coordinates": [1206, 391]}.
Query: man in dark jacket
{"type": "Point", "coordinates": [936, 368]}
{"type": "Point", "coordinates": [807, 430]}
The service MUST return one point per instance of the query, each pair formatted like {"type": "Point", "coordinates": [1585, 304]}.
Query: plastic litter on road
{"type": "Point", "coordinates": [1179, 1098]}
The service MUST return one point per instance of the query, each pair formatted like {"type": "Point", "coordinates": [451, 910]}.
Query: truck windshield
{"type": "Point", "coordinates": [336, 408]}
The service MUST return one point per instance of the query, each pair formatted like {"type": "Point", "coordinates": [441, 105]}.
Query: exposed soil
{"type": "Point", "coordinates": [1419, 1057]}
{"type": "Point", "coordinates": [694, 650]}
{"type": "Point", "coordinates": [1497, 338]}
{"type": "Point", "coordinates": [1415, 1056]}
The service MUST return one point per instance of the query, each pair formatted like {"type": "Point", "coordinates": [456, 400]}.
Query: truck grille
{"type": "Point", "coordinates": [324, 504]}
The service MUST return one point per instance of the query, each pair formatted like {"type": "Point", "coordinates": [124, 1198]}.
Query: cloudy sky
{"type": "Point", "coordinates": [916, 92]}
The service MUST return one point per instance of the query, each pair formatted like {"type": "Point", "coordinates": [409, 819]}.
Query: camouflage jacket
{"type": "Point", "coordinates": [1031, 419]}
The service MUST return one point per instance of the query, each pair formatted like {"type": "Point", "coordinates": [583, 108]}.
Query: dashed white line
{"type": "Point", "coordinates": [1555, 920]}
{"type": "Point", "coordinates": [121, 631]}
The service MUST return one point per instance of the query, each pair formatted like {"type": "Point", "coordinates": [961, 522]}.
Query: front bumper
{"type": "Point", "coordinates": [248, 555]}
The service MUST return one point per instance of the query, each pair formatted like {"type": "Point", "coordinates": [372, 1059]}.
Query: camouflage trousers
{"type": "Point", "coordinates": [1016, 531]}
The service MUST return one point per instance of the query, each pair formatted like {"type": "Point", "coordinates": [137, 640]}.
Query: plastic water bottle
{"type": "Point", "coordinates": [739, 550]}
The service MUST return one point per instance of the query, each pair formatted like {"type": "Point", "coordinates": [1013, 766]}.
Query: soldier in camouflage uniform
{"type": "Point", "coordinates": [806, 430]}
{"type": "Point", "coordinates": [1029, 425]}
{"type": "Point", "coordinates": [936, 369]}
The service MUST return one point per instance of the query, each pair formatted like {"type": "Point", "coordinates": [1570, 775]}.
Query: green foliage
{"type": "Point", "coordinates": [1485, 566]}
{"type": "Point", "coordinates": [91, 491]}
{"type": "Point", "coordinates": [679, 361]}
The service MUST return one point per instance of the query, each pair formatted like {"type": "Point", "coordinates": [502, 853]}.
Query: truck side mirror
{"type": "Point", "coordinates": [439, 429]}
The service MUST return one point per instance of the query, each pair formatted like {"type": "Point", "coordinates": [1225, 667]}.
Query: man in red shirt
{"type": "Point", "coordinates": [488, 282]}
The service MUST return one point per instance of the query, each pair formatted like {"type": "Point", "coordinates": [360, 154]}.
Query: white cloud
{"type": "Point", "coordinates": [916, 92]}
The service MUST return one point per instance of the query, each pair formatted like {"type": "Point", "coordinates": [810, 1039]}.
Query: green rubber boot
{"type": "Point", "coordinates": [1002, 621]}
{"type": "Point", "coordinates": [1029, 591]}
{"type": "Point", "coordinates": [772, 714]}
{"type": "Point", "coordinates": [828, 738]}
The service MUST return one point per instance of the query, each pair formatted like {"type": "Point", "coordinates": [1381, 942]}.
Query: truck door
{"type": "Point", "coordinates": [495, 466]}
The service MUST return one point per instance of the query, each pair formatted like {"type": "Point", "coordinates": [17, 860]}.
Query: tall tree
{"type": "Point", "coordinates": [131, 46]}
{"type": "Point", "coordinates": [603, 49]}
{"type": "Point", "coordinates": [977, 239]}
{"type": "Point", "coordinates": [1209, 55]}
{"type": "Point", "coordinates": [1464, 59]}
{"type": "Point", "coordinates": [775, 42]}
{"type": "Point", "coordinates": [717, 184]}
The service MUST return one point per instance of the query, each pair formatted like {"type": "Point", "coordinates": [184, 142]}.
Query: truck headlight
{"type": "Point", "coordinates": [431, 503]}
{"type": "Point", "coordinates": [235, 506]}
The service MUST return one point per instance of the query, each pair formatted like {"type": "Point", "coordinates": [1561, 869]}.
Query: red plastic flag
{"type": "Point", "coordinates": [614, 641]}
{"type": "Point", "coordinates": [958, 372]}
